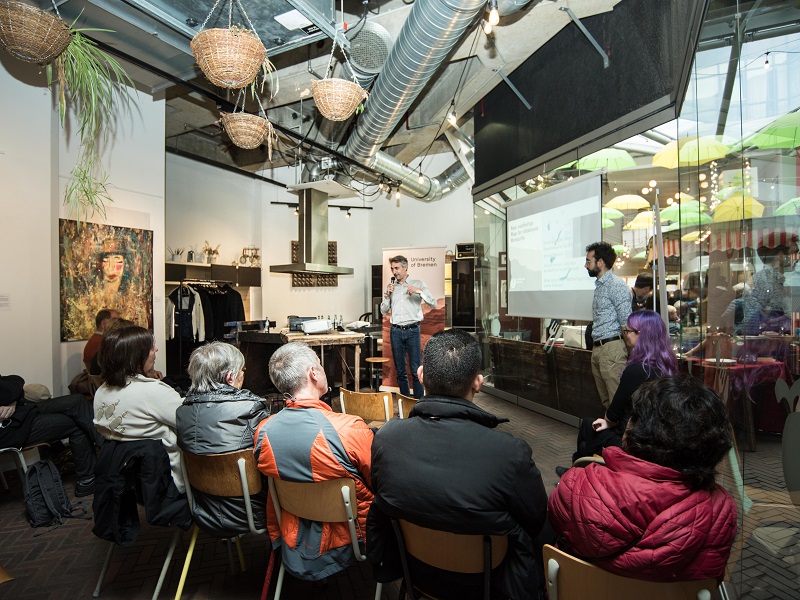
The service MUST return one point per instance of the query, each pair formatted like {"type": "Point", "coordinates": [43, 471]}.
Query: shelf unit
{"type": "Point", "coordinates": [175, 272]}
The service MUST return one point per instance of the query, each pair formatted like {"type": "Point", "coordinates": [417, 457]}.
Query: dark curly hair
{"type": "Point", "coordinates": [678, 422]}
{"type": "Point", "coordinates": [123, 353]}
{"type": "Point", "coordinates": [605, 251]}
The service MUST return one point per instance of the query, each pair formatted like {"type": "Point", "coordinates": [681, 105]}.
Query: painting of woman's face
{"type": "Point", "coordinates": [113, 267]}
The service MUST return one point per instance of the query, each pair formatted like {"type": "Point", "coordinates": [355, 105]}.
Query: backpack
{"type": "Point", "coordinates": [46, 502]}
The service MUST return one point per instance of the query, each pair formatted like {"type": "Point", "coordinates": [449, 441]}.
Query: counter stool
{"type": "Point", "coordinates": [373, 379]}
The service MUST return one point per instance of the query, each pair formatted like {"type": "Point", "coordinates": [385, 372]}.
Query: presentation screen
{"type": "Point", "coordinates": [547, 237]}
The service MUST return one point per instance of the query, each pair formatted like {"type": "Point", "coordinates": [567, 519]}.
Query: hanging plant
{"type": "Point", "coordinates": [246, 130]}
{"type": "Point", "coordinates": [86, 77]}
{"type": "Point", "coordinates": [337, 99]}
{"type": "Point", "coordinates": [232, 57]}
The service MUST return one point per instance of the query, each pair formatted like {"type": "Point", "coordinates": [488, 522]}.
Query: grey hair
{"type": "Point", "coordinates": [210, 364]}
{"type": "Point", "coordinates": [288, 367]}
{"type": "Point", "coordinates": [399, 259]}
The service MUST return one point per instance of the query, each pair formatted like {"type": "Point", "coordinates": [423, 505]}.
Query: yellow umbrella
{"type": "Point", "coordinates": [643, 220]}
{"type": "Point", "coordinates": [628, 202]}
{"type": "Point", "coordinates": [691, 150]}
{"type": "Point", "coordinates": [737, 208]}
{"type": "Point", "coordinates": [691, 236]}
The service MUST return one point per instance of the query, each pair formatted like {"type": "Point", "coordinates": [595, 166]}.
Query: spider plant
{"type": "Point", "coordinates": [88, 79]}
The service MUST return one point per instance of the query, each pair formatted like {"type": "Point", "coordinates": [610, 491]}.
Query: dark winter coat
{"type": "Point", "coordinates": [445, 467]}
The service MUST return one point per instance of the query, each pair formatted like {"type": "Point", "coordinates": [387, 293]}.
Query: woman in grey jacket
{"type": "Point", "coordinates": [218, 416]}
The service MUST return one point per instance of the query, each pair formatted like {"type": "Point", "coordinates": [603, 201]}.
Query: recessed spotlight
{"type": "Point", "coordinates": [192, 22]}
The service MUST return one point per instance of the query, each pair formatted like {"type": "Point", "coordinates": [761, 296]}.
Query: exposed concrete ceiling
{"type": "Point", "coordinates": [155, 35]}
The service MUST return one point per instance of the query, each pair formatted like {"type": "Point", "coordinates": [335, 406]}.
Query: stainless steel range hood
{"type": "Point", "coordinates": [312, 255]}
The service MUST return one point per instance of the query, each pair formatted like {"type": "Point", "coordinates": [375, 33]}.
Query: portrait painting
{"type": "Point", "coordinates": [103, 266]}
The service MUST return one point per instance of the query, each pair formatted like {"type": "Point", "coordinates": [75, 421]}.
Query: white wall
{"type": "Point", "coordinates": [236, 210]}
{"type": "Point", "coordinates": [35, 159]}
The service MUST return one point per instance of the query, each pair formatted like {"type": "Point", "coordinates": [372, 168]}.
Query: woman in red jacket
{"type": "Point", "coordinates": [653, 511]}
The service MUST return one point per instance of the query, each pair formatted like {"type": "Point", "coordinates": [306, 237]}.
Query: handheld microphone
{"type": "Point", "coordinates": [393, 280]}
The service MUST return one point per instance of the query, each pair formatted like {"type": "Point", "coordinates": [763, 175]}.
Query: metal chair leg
{"type": "Point", "coordinates": [175, 537]}
{"type": "Point", "coordinates": [187, 562]}
{"type": "Point", "coordinates": [103, 570]}
{"type": "Point", "coordinates": [279, 585]}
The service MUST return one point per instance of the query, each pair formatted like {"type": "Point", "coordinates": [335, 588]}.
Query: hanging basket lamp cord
{"type": "Point", "coordinates": [230, 17]}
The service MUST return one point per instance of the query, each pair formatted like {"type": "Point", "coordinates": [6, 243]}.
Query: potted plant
{"type": "Point", "coordinates": [87, 78]}
{"type": "Point", "coordinates": [211, 253]}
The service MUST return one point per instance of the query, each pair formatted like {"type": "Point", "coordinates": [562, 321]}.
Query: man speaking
{"type": "Point", "coordinates": [404, 297]}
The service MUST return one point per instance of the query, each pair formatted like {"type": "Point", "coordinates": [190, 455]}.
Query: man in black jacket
{"type": "Point", "coordinates": [446, 468]}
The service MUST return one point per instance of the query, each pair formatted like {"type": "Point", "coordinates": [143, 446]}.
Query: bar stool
{"type": "Point", "coordinates": [373, 378]}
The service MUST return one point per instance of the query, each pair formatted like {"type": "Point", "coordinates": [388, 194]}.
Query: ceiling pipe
{"type": "Point", "coordinates": [432, 30]}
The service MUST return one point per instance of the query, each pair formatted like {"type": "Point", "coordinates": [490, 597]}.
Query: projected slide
{"type": "Point", "coordinates": [547, 236]}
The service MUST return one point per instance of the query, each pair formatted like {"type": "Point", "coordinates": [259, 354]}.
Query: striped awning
{"type": "Point", "coordinates": [736, 239]}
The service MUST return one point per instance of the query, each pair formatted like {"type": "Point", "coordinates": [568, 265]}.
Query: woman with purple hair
{"type": "Point", "coordinates": [650, 357]}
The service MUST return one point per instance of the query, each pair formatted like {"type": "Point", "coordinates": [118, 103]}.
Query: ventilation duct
{"type": "Point", "coordinates": [370, 45]}
{"type": "Point", "coordinates": [312, 247]}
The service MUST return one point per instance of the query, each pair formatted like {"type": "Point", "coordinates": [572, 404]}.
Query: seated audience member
{"type": "Point", "coordinates": [93, 345]}
{"type": "Point", "coordinates": [130, 406]}
{"type": "Point", "coordinates": [24, 423]}
{"type": "Point", "coordinates": [650, 357]}
{"type": "Point", "coordinates": [674, 320]}
{"type": "Point", "coordinates": [113, 324]}
{"type": "Point", "coordinates": [218, 416]}
{"type": "Point", "coordinates": [446, 468]}
{"type": "Point", "coordinates": [307, 441]}
{"type": "Point", "coordinates": [653, 510]}
{"type": "Point", "coordinates": [642, 297]}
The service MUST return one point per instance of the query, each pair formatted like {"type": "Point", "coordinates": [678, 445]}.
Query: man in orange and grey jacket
{"type": "Point", "coordinates": [307, 441]}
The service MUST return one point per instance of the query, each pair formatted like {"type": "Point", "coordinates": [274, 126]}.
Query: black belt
{"type": "Point", "coordinates": [607, 340]}
{"type": "Point", "coordinates": [411, 326]}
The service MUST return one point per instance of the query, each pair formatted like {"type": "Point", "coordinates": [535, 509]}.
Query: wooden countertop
{"type": "Point", "coordinates": [334, 338]}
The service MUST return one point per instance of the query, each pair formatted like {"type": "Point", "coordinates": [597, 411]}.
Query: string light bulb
{"type": "Point", "coordinates": [451, 117]}
{"type": "Point", "coordinates": [494, 15]}
{"type": "Point", "coordinates": [397, 194]}
{"type": "Point", "coordinates": [487, 27]}
{"type": "Point", "coordinates": [421, 178]}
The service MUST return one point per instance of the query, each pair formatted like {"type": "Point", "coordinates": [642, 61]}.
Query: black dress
{"type": "Point", "coordinates": [592, 442]}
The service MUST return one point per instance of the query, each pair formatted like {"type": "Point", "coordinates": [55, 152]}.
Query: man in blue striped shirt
{"type": "Point", "coordinates": [611, 308]}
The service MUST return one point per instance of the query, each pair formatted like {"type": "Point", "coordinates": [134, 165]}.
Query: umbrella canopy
{"type": "Point", "coordinates": [621, 249]}
{"type": "Point", "coordinates": [791, 207]}
{"type": "Point", "coordinates": [727, 192]}
{"type": "Point", "coordinates": [611, 213]}
{"type": "Point", "coordinates": [691, 236]}
{"type": "Point", "coordinates": [643, 220]}
{"type": "Point", "coordinates": [612, 159]}
{"type": "Point", "coordinates": [684, 210]}
{"type": "Point", "coordinates": [608, 223]}
{"type": "Point", "coordinates": [642, 254]}
{"type": "Point", "coordinates": [737, 208]}
{"type": "Point", "coordinates": [783, 132]}
{"type": "Point", "coordinates": [628, 202]}
{"type": "Point", "coordinates": [691, 150]}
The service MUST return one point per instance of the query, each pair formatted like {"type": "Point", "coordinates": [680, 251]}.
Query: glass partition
{"type": "Point", "coordinates": [722, 181]}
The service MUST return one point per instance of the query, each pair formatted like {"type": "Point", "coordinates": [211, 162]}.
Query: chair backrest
{"type": "Point", "coordinates": [219, 475]}
{"type": "Point", "coordinates": [790, 451]}
{"type": "Point", "coordinates": [330, 501]}
{"type": "Point", "coordinates": [369, 406]}
{"type": "Point", "coordinates": [404, 405]}
{"type": "Point", "coordinates": [569, 578]}
{"type": "Point", "coordinates": [451, 551]}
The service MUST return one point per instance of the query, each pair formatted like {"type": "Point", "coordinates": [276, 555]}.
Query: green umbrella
{"type": "Point", "coordinates": [612, 213]}
{"type": "Point", "coordinates": [608, 223]}
{"type": "Point", "coordinates": [621, 249]}
{"type": "Point", "coordinates": [684, 208]}
{"type": "Point", "coordinates": [642, 254]}
{"type": "Point", "coordinates": [783, 132]}
{"type": "Point", "coordinates": [727, 192]}
{"type": "Point", "coordinates": [608, 158]}
{"type": "Point", "coordinates": [791, 207]}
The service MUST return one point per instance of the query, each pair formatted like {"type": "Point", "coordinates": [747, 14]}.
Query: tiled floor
{"type": "Point", "coordinates": [65, 562]}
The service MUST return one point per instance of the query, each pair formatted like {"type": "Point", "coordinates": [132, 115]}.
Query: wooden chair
{"type": "Point", "coordinates": [569, 578]}
{"type": "Point", "coordinates": [404, 405]}
{"type": "Point", "coordinates": [369, 406]}
{"type": "Point", "coordinates": [230, 475]}
{"type": "Point", "coordinates": [453, 552]}
{"type": "Point", "coordinates": [332, 501]}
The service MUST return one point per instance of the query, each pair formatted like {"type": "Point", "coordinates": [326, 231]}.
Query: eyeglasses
{"type": "Point", "coordinates": [627, 330]}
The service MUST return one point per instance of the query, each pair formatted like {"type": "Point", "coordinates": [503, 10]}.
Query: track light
{"type": "Point", "coordinates": [766, 62]}
{"type": "Point", "coordinates": [347, 214]}
{"type": "Point", "coordinates": [494, 16]}
{"type": "Point", "coordinates": [296, 212]}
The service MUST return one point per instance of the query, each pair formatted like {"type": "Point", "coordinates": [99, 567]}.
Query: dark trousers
{"type": "Point", "coordinates": [68, 417]}
{"type": "Point", "coordinates": [406, 341]}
